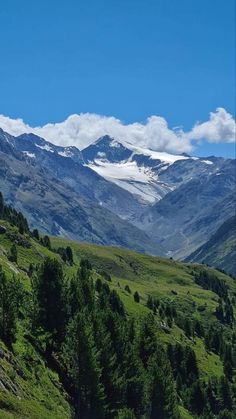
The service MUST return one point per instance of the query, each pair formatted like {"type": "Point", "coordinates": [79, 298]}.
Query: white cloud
{"type": "Point", "coordinates": [219, 128]}
{"type": "Point", "coordinates": [83, 129]}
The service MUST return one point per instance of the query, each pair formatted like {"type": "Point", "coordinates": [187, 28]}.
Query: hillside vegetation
{"type": "Point", "coordinates": [100, 332]}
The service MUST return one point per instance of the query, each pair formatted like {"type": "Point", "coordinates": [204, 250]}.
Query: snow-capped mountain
{"type": "Point", "coordinates": [140, 171]}
{"type": "Point", "coordinates": [33, 146]}
{"type": "Point", "coordinates": [115, 193]}
{"type": "Point", "coordinates": [62, 197]}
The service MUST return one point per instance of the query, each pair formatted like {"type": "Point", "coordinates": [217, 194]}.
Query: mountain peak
{"type": "Point", "coordinates": [106, 148]}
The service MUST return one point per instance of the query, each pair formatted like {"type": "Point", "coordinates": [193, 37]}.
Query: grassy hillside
{"type": "Point", "coordinates": [30, 388]}
{"type": "Point", "coordinates": [165, 279]}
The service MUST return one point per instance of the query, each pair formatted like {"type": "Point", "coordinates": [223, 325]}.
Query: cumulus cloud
{"type": "Point", "coordinates": [83, 129]}
{"type": "Point", "coordinates": [219, 128]}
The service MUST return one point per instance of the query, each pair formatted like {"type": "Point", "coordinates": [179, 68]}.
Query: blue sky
{"type": "Point", "coordinates": [129, 59]}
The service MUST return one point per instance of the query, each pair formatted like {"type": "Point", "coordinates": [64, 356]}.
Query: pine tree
{"type": "Point", "coordinates": [35, 234]}
{"type": "Point", "coordinates": [225, 394]}
{"type": "Point", "coordinates": [98, 285]}
{"type": "Point", "coordinates": [116, 303]}
{"type": "Point", "coordinates": [46, 242]}
{"type": "Point", "coordinates": [49, 297]}
{"type": "Point", "coordinates": [197, 398]}
{"type": "Point", "coordinates": [136, 297]}
{"type": "Point", "coordinates": [163, 396]}
{"type": "Point", "coordinates": [191, 363]}
{"type": "Point", "coordinates": [136, 384]}
{"type": "Point", "coordinates": [13, 254]}
{"type": "Point", "coordinates": [87, 287]}
{"type": "Point", "coordinates": [150, 302]}
{"type": "Point", "coordinates": [111, 373]}
{"type": "Point", "coordinates": [127, 289]}
{"type": "Point", "coordinates": [11, 294]}
{"type": "Point", "coordinates": [74, 297]}
{"type": "Point", "coordinates": [147, 343]}
{"type": "Point", "coordinates": [81, 358]}
{"type": "Point", "coordinates": [228, 370]}
{"type": "Point", "coordinates": [188, 328]}
{"type": "Point", "coordinates": [69, 255]}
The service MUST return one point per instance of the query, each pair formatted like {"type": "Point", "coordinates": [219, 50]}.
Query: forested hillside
{"type": "Point", "coordinates": [99, 332]}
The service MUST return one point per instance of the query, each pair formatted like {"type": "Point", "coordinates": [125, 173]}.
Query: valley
{"type": "Point", "coordinates": [149, 201]}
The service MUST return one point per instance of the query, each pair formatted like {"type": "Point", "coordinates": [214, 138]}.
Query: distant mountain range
{"type": "Point", "coordinates": [115, 193]}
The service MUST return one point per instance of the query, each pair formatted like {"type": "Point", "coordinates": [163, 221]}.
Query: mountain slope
{"type": "Point", "coordinates": [149, 175]}
{"type": "Point", "coordinates": [133, 169]}
{"type": "Point", "coordinates": [67, 165]}
{"type": "Point", "coordinates": [34, 391]}
{"type": "Point", "coordinates": [220, 250]}
{"type": "Point", "coordinates": [55, 208]}
{"type": "Point", "coordinates": [188, 216]}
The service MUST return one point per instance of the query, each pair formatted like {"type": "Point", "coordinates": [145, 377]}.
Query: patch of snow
{"type": "Point", "coordinates": [115, 144]}
{"type": "Point", "coordinates": [31, 155]}
{"type": "Point", "coordinates": [156, 155]}
{"type": "Point", "coordinates": [207, 161]}
{"type": "Point", "coordinates": [125, 170]}
{"type": "Point", "coordinates": [65, 153]}
{"type": "Point", "coordinates": [45, 147]}
{"type": "Point", "coordinates": [101, 154]}
{"type": "Point", "coordinates": [140, 181]}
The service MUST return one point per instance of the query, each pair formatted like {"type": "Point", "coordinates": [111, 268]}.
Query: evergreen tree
{"type": "Point", "coordinates": [49, 297]}
{"type": "Point", "coordinates": [87, 287]}
{"type": "Point", "coordinates": [13, 254]}
{"type": "Point", "coordinates": [81, 358]}
{"type": "Point", "coordinates": [136, 297]}
{"type": "Point", "coordinates": [136, 384]}
{"type": "Point", "coordinates": [11, 294]}
{"type": "Point", "coordinates": [111, 373]}
{"type": "Point", "coordinates": [74, 297]}
{"type": "Point", "coordinates": [199, 330]}
{"type": "Point", "coordinates": [69, 255]}
{"type": "Point", "coordinates": [35, 234]}
{"type": "Point", "coordinates": [127, 289]}
{"type": "Point", "coordinates": [150, 302]}
{"type": "Point", "coordinates": [116, 303]}
{"type": "Point", "coordinates": [46, 242]}
{"type": "Point", "coordinates": [147, 342]}
{"type": "Point", "coordinates": [191, 364]}
{"type": "Point", "coordinates": [225, 394]}
{"type": "Point", "coordinates": [228, 370]}
{"type": "Point", "coordinates": [30, 270]}
{"type": "Point", "coordinates": [163, 396]}
{"type": "Point", "coordinates": [188, 328]}
{"type": "Point", "coordinates": [197, 398]}
{"type": "Point", "coordinates": [212, 396]}
{"type": "Point", "coordinates": [98, 285]}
